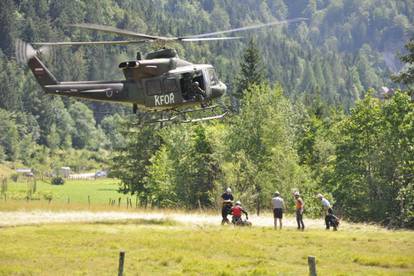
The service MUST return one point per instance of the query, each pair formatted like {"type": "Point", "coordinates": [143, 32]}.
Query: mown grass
{"type": "Point", "coordinates": [99, 191]}
{"type": "Point", "coordinates": [167, 248]}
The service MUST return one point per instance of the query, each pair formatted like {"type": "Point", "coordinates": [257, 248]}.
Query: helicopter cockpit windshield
{"type": "Point", "coordinates": [212, 76]}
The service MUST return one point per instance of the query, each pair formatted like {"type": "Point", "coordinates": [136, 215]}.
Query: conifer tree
{"type": "Point", "coordinates": [7, 26]}
{"type": "Point", "coordinates": [407, 77]}
{"type": "Point", "coordinates": [252, 70]}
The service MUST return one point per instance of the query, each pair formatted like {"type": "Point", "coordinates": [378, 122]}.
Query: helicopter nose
{"type": "Point", "coordinates": [218, 90]}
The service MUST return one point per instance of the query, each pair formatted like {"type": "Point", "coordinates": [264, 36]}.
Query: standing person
{"type": "Point", "coordinates": [330, 218]}
{"type": "Point", "coordinates": [278, 206]}
{"type": "Point", "coordinates": [299, 210]}
{"type": "Point", "coordinates": [199, 93]}
{"type": "Point", "coordinates": [227, 198]}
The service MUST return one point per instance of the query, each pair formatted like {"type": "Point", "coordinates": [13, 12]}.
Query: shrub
{"type": "Point", "coordinates": [48, 195]}
{"type": "Point", "coordinates": [58, 180]}
{"type": "Point", "coordinates": [14, 177]}
{"type": "Point", "coordinates": [406, 202]}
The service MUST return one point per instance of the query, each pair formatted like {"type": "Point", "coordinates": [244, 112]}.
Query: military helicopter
{"type": "Point", "coordinates": [160, 83]}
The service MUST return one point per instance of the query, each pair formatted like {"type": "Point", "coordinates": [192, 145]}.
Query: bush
{"type": "Point", "coordinates": [14, 177]}
{"type": "Point", "coordinates": [48, 195]}
{"type": "Point", "coordinates": [58, 180]}
{"type": "Point", "coordinates": [406, 202]}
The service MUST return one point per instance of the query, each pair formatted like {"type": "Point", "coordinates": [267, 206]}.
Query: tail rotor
{"type": "Point", "coordinates": [25, 51]}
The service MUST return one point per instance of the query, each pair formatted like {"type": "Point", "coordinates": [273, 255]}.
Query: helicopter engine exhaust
{"type": "Point", "coordinates": [129, 64]}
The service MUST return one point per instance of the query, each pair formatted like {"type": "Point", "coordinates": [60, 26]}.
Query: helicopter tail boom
{"type": "Point", "coordinates": [26, 54]}
{"type": "Point", "coordinates": [41, 73]}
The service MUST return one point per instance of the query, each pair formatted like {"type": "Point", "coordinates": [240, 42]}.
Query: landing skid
{"type": "Point", "coordinates": [180, 116]}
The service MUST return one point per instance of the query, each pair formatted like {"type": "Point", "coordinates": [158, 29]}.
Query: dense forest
{"type": "Point", "coordinates": [313, 117]}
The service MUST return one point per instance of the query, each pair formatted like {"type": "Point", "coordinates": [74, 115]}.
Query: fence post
{"type": "Point", "coordinates": [119, 202]}
{"type": "Point", "coordinates": [89, 201]}
{"type": "Point", "coordinates": [121, 263]}
{"type": "Point", "coordinates": [199, 205]}
{"type": "Point", "coordinates": [312, 265]}
{"type": "Point", "coordinates": [34, 185]}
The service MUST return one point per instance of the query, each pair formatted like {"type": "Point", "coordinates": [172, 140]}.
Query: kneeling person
{"type": "Point", "coordinates": [330, 218]}
{"type": "Point", "coordinates": [237, 211]}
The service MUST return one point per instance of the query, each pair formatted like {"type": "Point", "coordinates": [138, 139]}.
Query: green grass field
{"type": "Point", "coordinates": [166, 248]}
{"type": "Point", "coordinates": [73, 191]}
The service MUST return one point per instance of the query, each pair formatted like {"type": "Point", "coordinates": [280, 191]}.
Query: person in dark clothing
{"type": "Point", "coordinates": [227, 198]}
{"type": "Point", "coordinates": [330, 218]}
{"type": "Point", "coordinates": [199, 93]}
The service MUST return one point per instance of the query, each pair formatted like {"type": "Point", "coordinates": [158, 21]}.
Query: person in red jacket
{"type": "Point", "coordinates": [237, 211]}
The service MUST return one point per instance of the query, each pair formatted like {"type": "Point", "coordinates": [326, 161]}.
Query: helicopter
{"type": "Point", "coordinates": [160, 83]}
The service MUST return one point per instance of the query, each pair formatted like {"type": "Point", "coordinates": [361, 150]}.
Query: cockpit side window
{"type": "Point", "coordinates": [212, 76]}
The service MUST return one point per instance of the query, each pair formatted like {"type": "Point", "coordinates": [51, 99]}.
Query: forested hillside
{"type": "Point", "coordinates": [346, 47]}
{"type": "Point", "coordinates": [295, 129]}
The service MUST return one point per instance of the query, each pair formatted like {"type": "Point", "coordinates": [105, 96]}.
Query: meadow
{"type": "Point", "coordinates": [167, 247]}
{"type": "Point", "coordinates": [74, 192]}
{"type": "Point", "coordinates": [164, 247]}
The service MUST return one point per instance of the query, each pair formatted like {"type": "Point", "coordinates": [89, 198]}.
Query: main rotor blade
{"type": "Point", "coordinates": [210, 38]}
{"type": "Point", "coordinates": [119, 42]}
{"type": "Point", "coordinates": [247, 28]}
{"type": "Point", "coordinates": [114, 30]}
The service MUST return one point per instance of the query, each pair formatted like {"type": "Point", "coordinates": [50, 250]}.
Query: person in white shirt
{"type": "Point", "coordinates": [330, 218]}
{"type": "Point", "coordinates": [278, 205]}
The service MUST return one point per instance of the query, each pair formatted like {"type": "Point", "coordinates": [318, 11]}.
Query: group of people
{"type": "Point", "coordinates": [278, 205]}
{"type": "Point", "coordinates": [228, 209]}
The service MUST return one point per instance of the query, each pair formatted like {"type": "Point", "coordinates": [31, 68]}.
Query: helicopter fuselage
{"type": "Point", "coordinates": [150, 84]}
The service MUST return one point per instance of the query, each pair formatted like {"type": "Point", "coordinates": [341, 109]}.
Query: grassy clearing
{"type": "Point", "coordinates": [165, 247]}
{"type": "Point", "coordinates": [73, 191]}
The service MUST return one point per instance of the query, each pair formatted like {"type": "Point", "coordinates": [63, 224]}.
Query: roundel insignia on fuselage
{"type": "Point", "coordinates": [109, 93]}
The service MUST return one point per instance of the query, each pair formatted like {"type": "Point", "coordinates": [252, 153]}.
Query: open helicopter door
{"type": "Point", "coordinates": [186, 82]}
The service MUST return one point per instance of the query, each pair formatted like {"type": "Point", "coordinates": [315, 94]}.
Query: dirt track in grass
{"type": "Point", "coordinates": [38, 217]}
